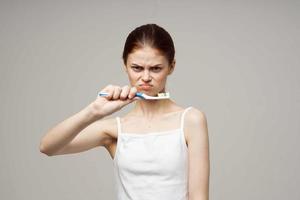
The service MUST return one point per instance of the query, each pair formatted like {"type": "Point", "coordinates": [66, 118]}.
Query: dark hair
{"type": "Point", "coordinates": [149, 35]}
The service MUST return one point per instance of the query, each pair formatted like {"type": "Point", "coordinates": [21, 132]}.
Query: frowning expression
{"type": "Point", "coordinates": [147, 70]}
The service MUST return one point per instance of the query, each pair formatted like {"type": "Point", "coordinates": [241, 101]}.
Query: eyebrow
{"type": "Point", "coordinates": [133, 64]}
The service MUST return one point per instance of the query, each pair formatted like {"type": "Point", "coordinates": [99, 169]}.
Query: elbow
{"type": "Point", "coordinates": [199, 196]}
{"type": "Point", "coordinates": [44, 150]}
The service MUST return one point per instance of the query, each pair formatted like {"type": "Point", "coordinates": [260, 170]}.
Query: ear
{"type": "Point", "coordinates": [172, 66]}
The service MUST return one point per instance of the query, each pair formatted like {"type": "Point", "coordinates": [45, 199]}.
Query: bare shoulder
{"type": "Point", "coordinates": [195, 123]}
{"type": "Point", "coordinates": [194, 115]}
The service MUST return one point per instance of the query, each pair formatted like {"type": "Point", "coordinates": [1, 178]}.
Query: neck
{"type": "Point", "coordinates": [151, 108]}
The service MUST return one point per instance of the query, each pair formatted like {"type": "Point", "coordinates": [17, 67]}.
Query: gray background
{"type": "Point", "coordinates": [237, 61]}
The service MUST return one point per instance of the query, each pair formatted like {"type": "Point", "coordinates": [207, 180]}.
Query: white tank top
{"type": "Point", "coordinates": [152, 166]}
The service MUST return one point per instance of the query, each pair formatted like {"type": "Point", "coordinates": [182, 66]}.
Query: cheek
{"type": "Point", "coordinates": [161, 77]}
{"type": "Point", "coordinates": [133, 78]}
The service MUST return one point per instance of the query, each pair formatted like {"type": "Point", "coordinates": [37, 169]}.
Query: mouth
{"type": "Point", "coordinates": [145, 86]}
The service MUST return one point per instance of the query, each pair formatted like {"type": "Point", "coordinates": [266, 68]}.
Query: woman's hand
{"type": "Point", "coordinates": [116, 99]}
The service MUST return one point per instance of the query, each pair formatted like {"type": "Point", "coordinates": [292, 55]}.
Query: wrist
{"type": "Point", "coordinates": [91, 113]}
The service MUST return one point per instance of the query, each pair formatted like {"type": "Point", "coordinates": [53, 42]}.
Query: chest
{"type": "Point", "coordinates": [163, 153]}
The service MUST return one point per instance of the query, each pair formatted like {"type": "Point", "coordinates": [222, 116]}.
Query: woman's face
{"type": "Point", "coordinates": [147, 70]}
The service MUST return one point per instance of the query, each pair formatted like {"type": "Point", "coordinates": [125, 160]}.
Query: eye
{"type": "Point", "coordinates": [136, 68]}
{"type": "Point", "coordinates": [156, 69]}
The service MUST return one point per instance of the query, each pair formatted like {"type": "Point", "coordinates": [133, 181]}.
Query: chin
{"type": "Point", "coordinates": [148, 92]}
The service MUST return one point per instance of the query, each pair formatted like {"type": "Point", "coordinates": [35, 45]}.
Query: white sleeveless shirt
{"type": "Point", "coordinates": [152, 166]}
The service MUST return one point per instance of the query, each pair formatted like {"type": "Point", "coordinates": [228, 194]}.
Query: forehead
{"type": "Point", "coordinates": [146, 56]}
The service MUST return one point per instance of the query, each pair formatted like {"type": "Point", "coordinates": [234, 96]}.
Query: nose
{"type": "Point", "coordinates": [146, 76]}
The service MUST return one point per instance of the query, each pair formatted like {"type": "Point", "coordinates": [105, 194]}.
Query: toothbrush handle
{"type": "Point", "coordinates": [138, 94]}
{"type": "Point", "coordinates": [102, 94]}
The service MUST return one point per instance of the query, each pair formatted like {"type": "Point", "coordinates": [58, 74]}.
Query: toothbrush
{"type": "Point", "coordinates": [145, 96]}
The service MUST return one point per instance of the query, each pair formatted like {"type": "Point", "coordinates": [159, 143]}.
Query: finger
{"type": "Point", "coordinates": [128, 101]}
{"type": "Point", "coordinates": [108, 89]}
{"type": "Point", "coordinates": [110, 92]}
{"type": "Point", "coordinates": [124, 93]}
{"type": "Point", "coordinates": [132, 92]}
{"type": "Point", "coordinates": [117, 91]}
{"type": "Point", "coordinates": [136, 98]}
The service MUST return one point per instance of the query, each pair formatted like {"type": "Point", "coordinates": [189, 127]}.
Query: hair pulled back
{"type": "Point", "coordinates": [150, 35]}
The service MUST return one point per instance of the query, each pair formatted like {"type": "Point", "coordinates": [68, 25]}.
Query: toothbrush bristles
{"type": "Point", "coordinates": [163, 94]}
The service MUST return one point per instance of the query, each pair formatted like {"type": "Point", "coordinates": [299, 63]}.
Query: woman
{"type": "Point", "coordinates": [160, 150]}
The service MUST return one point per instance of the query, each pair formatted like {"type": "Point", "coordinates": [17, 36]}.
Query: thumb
{"type": "Point", "coordinates": [128, 101]}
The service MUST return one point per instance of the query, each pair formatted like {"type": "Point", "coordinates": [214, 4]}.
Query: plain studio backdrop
{"type": "Point", "coordinates": [237, 61]}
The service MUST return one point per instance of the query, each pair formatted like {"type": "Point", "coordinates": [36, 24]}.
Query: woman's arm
{"type": "Point", "coordinates": [57, 140]}
{"type": "Point", "coordinates": [199, 164]}
{"type": "Point", "coordinates": [85, 130]}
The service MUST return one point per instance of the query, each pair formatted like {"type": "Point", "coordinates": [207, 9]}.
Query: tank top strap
{"type": "Point", "coordinates": [118, 124]}
{"type": "Point", "coordinates": [182, 117]}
